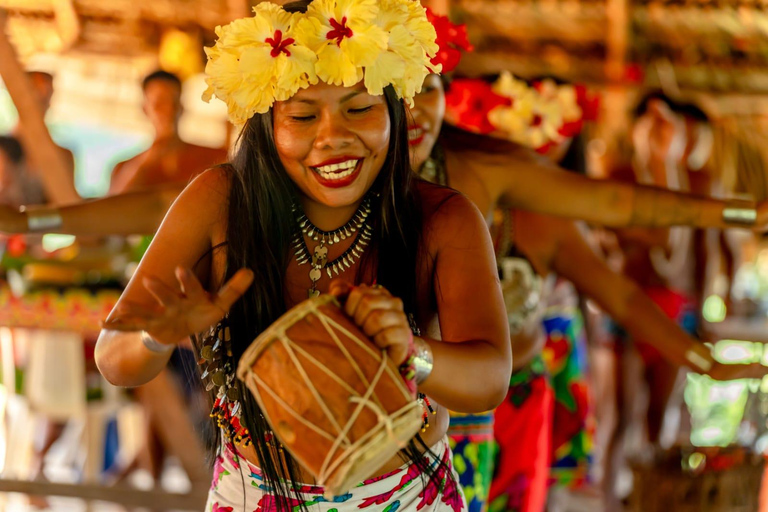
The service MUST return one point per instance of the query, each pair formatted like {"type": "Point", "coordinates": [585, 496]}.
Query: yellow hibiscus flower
{"type": "Point", "coordinates": [270, 56]}
{"type": "Point", "coordinates": [344, 36]}
{"type": "Point", "coordinates": [509, 86]}
{"type": "Point", "coordinates": [410, 47]}
{"type": "Point", "coordinates": [532, 120]}
{"type": "Point", "coordinates": [256, 61]}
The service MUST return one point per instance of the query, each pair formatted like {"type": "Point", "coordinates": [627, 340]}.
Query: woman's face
{"type": "Point", "coordinates": [426, 119]}
{"type": "Point", "coordinates": [332, 141]}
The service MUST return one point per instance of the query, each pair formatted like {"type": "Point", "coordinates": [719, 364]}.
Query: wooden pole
{"type": "Point", "coordinates": [615, 96]}
{"type": "Point", "coordinates": [38, 144]}
{"type": "Point", "coordinates": [164, 403]}
{"type": "Point", "coordinates": [67, 22]}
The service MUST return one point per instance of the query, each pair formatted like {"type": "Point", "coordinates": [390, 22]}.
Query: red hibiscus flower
{"type": "Point", "coordinates": [451, 39]}
{"type": "Point", "coordinates": [468, 102]}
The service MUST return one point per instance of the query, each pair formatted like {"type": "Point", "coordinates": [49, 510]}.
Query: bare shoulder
{"type": "Point", "coordinates": [209, 189]}
{"type": "Point", "coordinates": [449, 216]}
{"type": "Point", "coordinates": [203, 203]}
{"type": "Point", "coordinates": [126, 165]}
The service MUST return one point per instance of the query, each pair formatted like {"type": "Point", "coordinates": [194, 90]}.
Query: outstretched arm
{"type": "Point", "coordinates": [126, 214]}
{"type": "Point", "coordinates": [164, 299]}
{"type": "Point", "coordinates": [529, 181]}
{"type": "Point", "coordinates": [626, 303]}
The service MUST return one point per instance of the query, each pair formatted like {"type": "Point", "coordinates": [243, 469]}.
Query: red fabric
{"type": "Point", "coordinates": [673, 304]}
{"type": "Point", "coordinates": [524, 438]}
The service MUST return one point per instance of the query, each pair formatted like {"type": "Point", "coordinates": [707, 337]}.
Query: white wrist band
{"type": "Point", "coordinates": [155, 346]}
{"type": "Point", "coordinates": [422, 359]}
{"type": "Point", "coordinates": [739, 216]}
{"type": "Point", "coordinates": [43, 219]}
{"type": "Point", "coordinates": [698, 361]}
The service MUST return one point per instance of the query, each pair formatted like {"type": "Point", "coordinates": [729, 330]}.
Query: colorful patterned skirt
{"type": "Point", "coordinates": [471, 440]}
{"type": "Point", "coordinates": [565, 355]}
{"type": "Point", "coordinates": [239, 486]}
{"type": "Point", "coordinates": [523, 432]}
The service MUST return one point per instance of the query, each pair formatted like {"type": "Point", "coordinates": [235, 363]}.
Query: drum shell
{"type": "Point", "coordinates": [311, 373]}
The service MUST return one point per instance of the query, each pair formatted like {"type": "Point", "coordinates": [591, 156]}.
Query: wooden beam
{"type": "Point", "coordinates": [41, 150]}
{"type": "Point", "coordinates": [122, 495]}
{"type": "Point", "coordinates": [67, 21]}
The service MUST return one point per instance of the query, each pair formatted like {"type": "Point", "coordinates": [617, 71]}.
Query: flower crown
{"type": "Point", "coordinates": [272, 55]}
{"type": "Point", "coordinates": [538, 116]}
{"type": "Point", "coordinates": [451, 39]}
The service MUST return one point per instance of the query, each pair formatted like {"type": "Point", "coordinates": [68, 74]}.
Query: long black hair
{"type": "Point", "coordinates": [260, 226]}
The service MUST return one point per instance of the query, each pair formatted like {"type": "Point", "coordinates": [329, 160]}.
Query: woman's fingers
{"type": "Point", "coordinates": [128, 307]}
{"type": "Point", "coordinates": [190, 286]}
{"type": "Point", "coordinates": [340, 289]}
{"type": "Point", "coordinates": [360, 295]}
{"type": "Point", "coordinates": [396, 341]}
{"type": "Point", "coordinates": [233, 289]}
{"type": "Point", "coordinates": [128, 322]}
{"type": "Point", "coordinates": [371, 302]}
{"type": "Point", "coordinates": [163, 293]}
{"type": "Point", "coordinates": [382, 319]}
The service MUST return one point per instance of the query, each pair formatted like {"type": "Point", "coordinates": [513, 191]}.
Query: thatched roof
{"type": "Point", "coordinates": [701, 44]}
{"type": "Point", "coordinates": [125, 27]}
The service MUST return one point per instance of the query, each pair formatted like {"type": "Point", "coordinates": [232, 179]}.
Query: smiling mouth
{"type": "Point", "coordinates": [416, 135]}
{"type": "Point", "coordinates": [337, 171]}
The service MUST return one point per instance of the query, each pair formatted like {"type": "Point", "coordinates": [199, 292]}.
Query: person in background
{"type": "Point", "coordinates": [11, 172]}
{"type": "Point", "coordinates": [34, 191]}
{"type": "Point", "coordinates": [169, 160]}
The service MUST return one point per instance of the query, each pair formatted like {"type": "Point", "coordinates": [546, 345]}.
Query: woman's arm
{"type": "Point", "coordinates": [473, 361]}
{"type": "Point", "coordinates": [55, 166]}
{"type": "Point", "coordinates": [151, 301]}
{"type": "Point", "coordinates": [531, 182]}
{"type": "Point", "coordinates": [126, 214]}
{"type": "Point", "coordinates": [626, 303]}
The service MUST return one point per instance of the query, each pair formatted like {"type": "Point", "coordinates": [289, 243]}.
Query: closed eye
{"type": "Point", "coordinates": [302, 118]}
{"type": "Point", "coordinates": [361, 110]}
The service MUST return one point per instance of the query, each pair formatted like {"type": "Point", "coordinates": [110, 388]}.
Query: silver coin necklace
{"type": "Point", "coordinates": [317, 258]}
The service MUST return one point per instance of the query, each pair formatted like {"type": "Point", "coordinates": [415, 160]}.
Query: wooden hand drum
{"type": "Point", "coordinates": [332, 398]}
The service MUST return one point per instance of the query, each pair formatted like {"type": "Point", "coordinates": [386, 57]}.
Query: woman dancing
{"type": "Point", "coordinates": [320, 87]}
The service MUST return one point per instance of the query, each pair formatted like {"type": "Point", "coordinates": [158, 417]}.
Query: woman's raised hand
{"type": "Point", "coordinates": [181, 310]}
{"type": "Point", "coordinates": [380, 316]}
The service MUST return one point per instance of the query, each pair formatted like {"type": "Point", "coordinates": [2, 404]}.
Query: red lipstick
{"type": "Point", "coordinates": [338, 182]}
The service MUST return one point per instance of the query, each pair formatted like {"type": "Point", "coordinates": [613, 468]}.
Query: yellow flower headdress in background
{"type": "Point", "coordinates": [272, 55]}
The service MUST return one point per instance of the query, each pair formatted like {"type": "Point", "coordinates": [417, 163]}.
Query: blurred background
{"type": "Point", "coordinates": [69, 441]}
